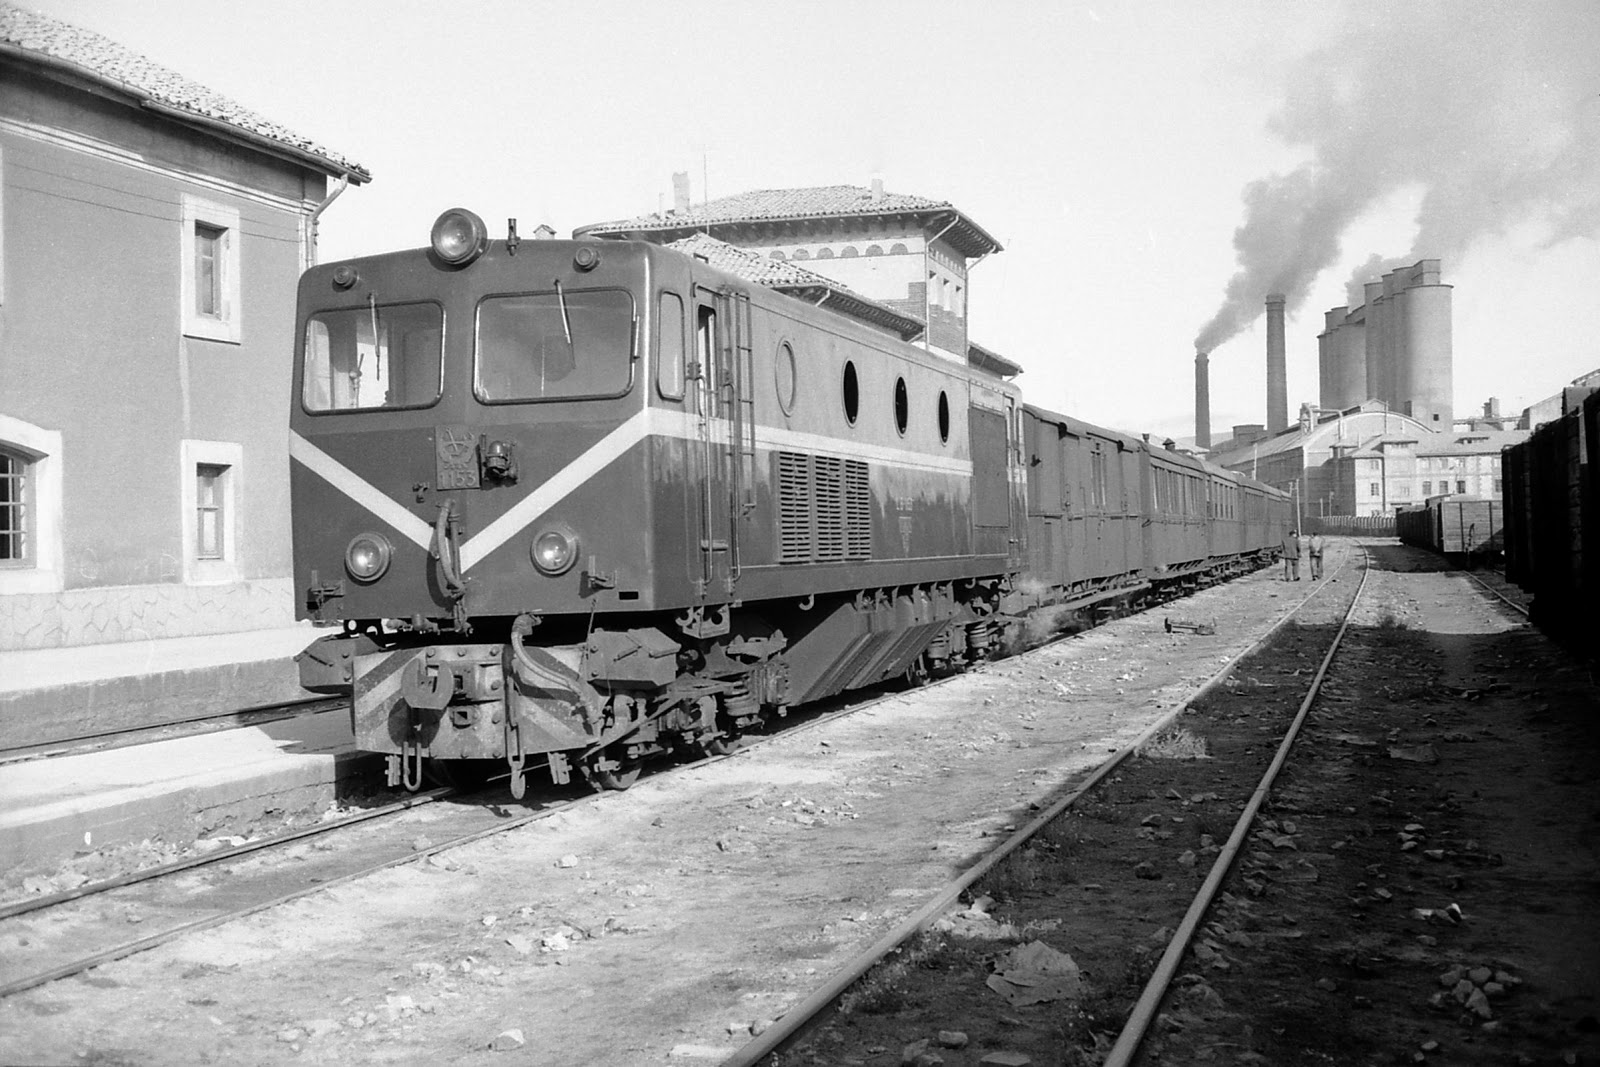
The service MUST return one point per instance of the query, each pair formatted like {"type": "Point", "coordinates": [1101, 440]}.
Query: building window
{"type": "Point", "coordinates": [15, 513]}
{"type": "Point", "coordinates": [956, 304]}
{"type": "Point", "coordinates": [210, 271]}
{"type": "Point", "coordinates": [1427, 488]}
{"type": "Point", "coordinates": [874, 250]}
{"type": "Point", "coordinates": [208, 507]}
{"type": "Point", "coordinates": [897, 249]}
{"type": "Point", "coordinates": [30, 508]}
{"type": "Point", "coordinates": [1461, 486]}
{"type": "Point", "coordinates": [824, 253]}
{"type": "Point", "coordinates": [211, 497]}
{"type": "Point", "coordinates": [1497, 487]}
{"type": "Point", "coordinates": [1372, 488]}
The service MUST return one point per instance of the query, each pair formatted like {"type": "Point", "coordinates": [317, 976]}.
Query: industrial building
{"type": "Point", "coordinates": [153, 233]}
{"type": "Point", "coordinates": [1384, 435]}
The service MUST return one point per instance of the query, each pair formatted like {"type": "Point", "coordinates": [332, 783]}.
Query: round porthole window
{"type": "Point", "coordinates": [944, 417]}
{"type": "Point", "coordinates": [852, 392]}
{"type": "Point", "coordinates": [902, 406]}
{"type": "Point", "coordinates": [783, 374]}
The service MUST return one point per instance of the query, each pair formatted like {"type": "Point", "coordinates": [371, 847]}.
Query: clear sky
{"type": "Point", "coordinates": [1136, 159]}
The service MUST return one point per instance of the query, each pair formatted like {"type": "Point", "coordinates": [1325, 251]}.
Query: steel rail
{"type": "Point", "coordinates": [23, 907]}
{"type": "Point", "coordinates": [1491, 589]}
{"type": "Point", "coordinates": [793, 1021]}
{"type": "Point", "coordinates": [1144, 1010]}
{"type": "Point", "coordinates": [256, 715]}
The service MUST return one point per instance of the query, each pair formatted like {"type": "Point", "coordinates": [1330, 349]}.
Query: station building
{"type": "Point", "coordinates": [152, 233]}
{"type": "Point", "coordinates": [908, 253]}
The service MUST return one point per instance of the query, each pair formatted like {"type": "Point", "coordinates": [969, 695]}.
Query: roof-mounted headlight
{"type": "Point", "coordinates": [459, 237]}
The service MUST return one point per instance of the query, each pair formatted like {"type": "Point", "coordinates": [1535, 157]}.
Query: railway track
{"type": "Point", "coordinates": [199, 724]}
{"type": "Point", "coordinates": [57, 954]}
{"type": "Point", "coordinates": [802, 1021]}
{"type": "Point", "coordinates": [674, 802]}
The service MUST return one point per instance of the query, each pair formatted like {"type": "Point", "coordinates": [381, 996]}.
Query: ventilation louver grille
{"type": "Point", "coordinates": [824, 509]}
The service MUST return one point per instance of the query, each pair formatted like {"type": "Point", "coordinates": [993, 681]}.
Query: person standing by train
{"type": "Point", "coordinates": [1314, 550]}
{"type": "Point", "coordinates": [1291, 554]}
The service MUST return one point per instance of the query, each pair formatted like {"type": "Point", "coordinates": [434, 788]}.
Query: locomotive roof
{"type": "Point", "coordinates": [788, 277]}
{"type": "Point", "coordinates": [28, 37]}
{"type": "Point", "coordinates": [794, 205]}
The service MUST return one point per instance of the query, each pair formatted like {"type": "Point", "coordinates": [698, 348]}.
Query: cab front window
{"type": "Point", "coordinates": [557, 345]}
{"type": "Point", "coordinates": [373, 357]}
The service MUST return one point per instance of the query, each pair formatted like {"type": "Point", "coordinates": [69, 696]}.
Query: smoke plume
{"type": "Point", "coordinates": [1493, 111]}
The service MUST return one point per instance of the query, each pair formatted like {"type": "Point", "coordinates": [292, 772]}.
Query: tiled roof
{"type": "Point", "coordinates": [787, 205]}
{"type": "Point", "coordinates": [786, 276]}
{"type": "Point", "coordinates": [30, 37]}
{"type": "Point", "coordinates": [987, 359]}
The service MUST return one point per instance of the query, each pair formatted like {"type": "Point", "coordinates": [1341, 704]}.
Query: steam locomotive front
{"type": "Point", "coordinates": [460, 433]}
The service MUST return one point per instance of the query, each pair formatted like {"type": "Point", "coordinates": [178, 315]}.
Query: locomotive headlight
{"type": "Point", "coordinates": [555, 550]}
{"type": "Point", "coordinates": [459, 237]}
{"type": "Point", "coordinates": [368, 557]}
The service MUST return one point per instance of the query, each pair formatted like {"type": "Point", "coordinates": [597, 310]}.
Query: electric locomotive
{"type": "Point", "coordinates": [579, 503]}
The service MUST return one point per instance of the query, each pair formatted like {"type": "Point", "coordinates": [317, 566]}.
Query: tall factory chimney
{"type": "Point", "coordinates": [680, 192]}
{"type": "Point", "coordinates": [1202, 400]}
{"type": "Point", "coordinates": [1277, 372]}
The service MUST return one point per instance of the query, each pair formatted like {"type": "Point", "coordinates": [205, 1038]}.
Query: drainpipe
{"type": "Point", "coordinates": [316, 214]}
{"type": "Point", "coordinates": [927, 297]}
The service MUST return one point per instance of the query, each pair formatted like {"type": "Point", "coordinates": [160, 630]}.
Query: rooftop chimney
{"type": "Point", "coordinates": [877, 190]}
{"type": "Point", "coordinates": [1277, 373]}
{"type": "Point", "coordinates": [1202, 400]}
{"type": "Point", "coordinates": [680, 192]}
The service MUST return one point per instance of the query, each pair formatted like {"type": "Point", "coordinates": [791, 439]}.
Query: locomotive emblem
{"type": "Point", "coordinates": [457, 451]}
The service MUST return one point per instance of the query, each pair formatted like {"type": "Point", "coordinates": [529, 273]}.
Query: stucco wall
{"type": "Point", "coordinates": [92, 349]}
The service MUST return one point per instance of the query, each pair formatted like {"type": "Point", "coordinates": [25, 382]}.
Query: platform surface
{"type": "Point", "coordinates": [59, 694]}
{"type": "Point", "coordinates": [175, 791]}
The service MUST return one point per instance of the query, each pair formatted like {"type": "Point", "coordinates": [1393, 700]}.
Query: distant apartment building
{"type": "Point", "coordinates": [152, 233]}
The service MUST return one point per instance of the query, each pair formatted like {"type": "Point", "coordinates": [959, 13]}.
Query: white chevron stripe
{"type": "Point", "coordinates": [658, 422]}
{"type": "Point", "coordinates": [586, 466]}
{"type": "Point", "coordinates": [360, 490]}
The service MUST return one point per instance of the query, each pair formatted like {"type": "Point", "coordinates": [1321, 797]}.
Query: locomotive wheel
{"type": "Point", "coordinates": [618, 779]}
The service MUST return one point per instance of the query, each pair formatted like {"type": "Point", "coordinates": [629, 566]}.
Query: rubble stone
{"type": "Point", "coordinates": [952, 1039]}
{"type": "Point", "coordinates": [507, 1041]}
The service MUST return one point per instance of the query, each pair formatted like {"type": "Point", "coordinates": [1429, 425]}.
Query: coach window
{"type": "Point", "coordinates": [669, 346]}
{"type": "Point", "coordinates": [852, 392]}
{"type": "Point", "coordinates": [902, 406]}
{"type": "Point", "coordinates": [944, 417]}
{"type": "Point", "coordinates": [784, 376]}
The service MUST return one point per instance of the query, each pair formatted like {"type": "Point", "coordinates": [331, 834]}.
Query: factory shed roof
{"type": "Point", "coordinates": [788, 277]}
{"type": "Point", "coordinates": [797, 205]}
{"type": "Point", "coordinates": [1466, 443]}
{"type": "Point", "coordinates": [64, 49]}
